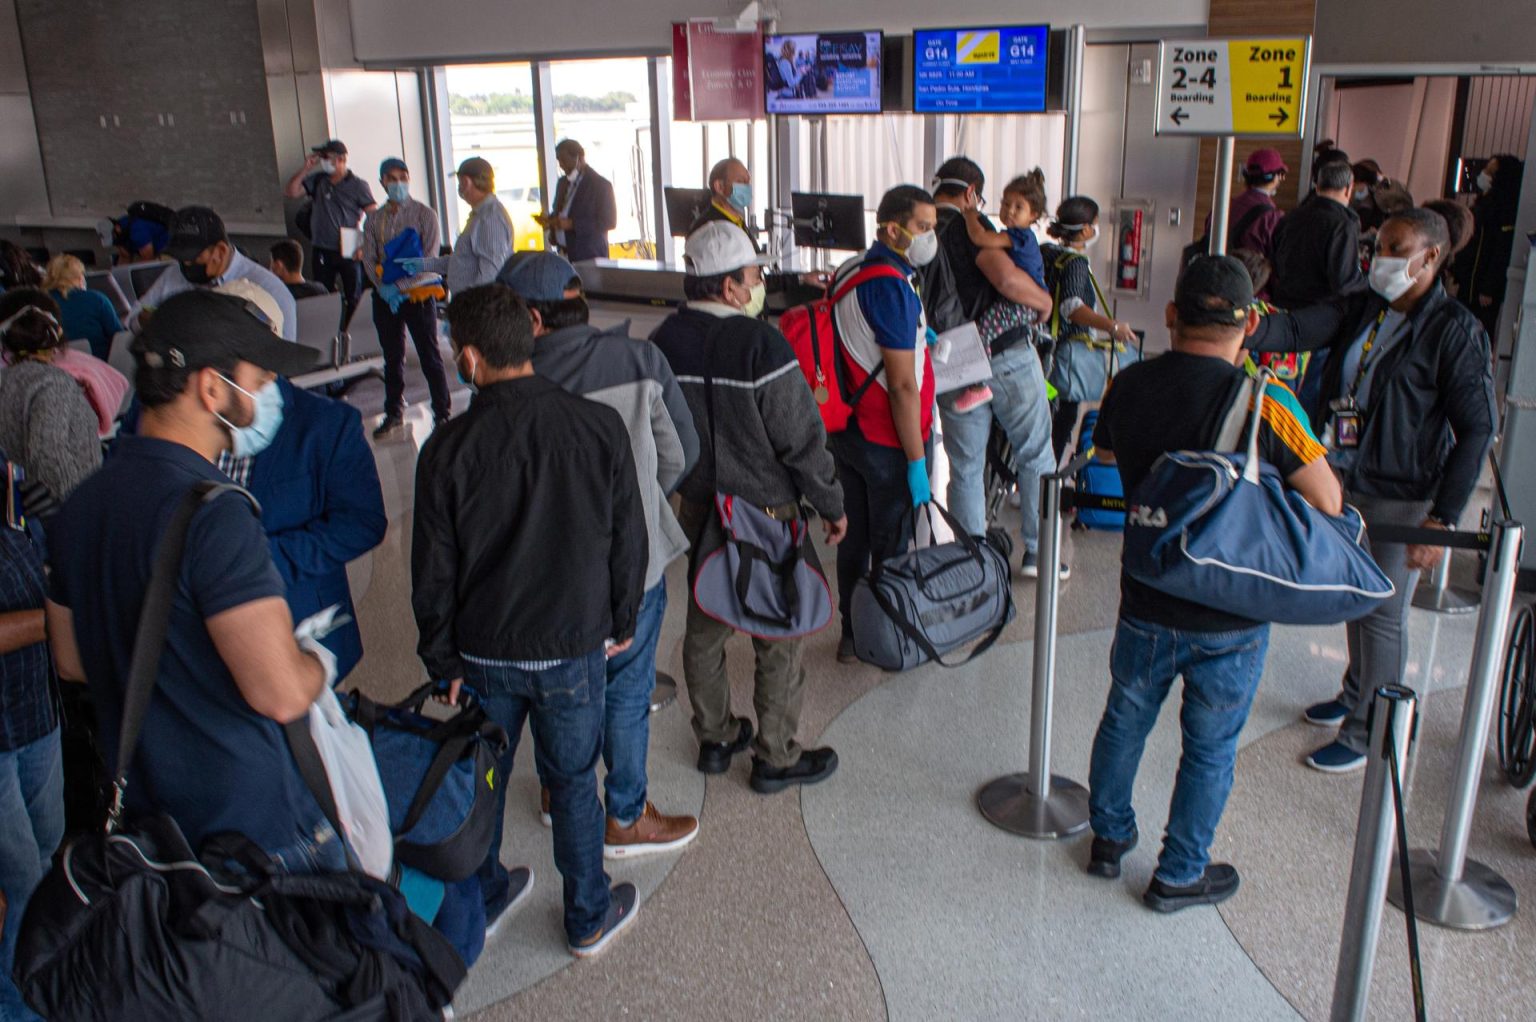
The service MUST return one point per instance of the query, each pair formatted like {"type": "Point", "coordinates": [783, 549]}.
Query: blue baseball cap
{"type": "Point", "coordinates": [393, 163]}
{"type": "Point", "coordinates": [538, 276]}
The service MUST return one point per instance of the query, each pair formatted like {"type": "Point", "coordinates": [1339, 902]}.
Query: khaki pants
{"type": "Point", "coordinates": [779, 681]}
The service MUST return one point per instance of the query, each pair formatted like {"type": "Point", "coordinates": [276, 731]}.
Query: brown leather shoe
{"type": "Point", "coordinates": [650, 834]}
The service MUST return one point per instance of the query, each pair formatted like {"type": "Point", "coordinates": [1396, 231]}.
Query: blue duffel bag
{"type": "Point", "coordinates": [1097, 479]}
{"type": "Point", "coordinates": [441, 779]}
{"type": "Point", "coordinates": [1222, 530]}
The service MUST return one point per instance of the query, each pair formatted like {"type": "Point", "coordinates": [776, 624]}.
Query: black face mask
{"type": "Point", "coordinates": [196, 273]}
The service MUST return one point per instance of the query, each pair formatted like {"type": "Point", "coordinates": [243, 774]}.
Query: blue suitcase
{"type": "Point", "coordinates": [1099, 480]}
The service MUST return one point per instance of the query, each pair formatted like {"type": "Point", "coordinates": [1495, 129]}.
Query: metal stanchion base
{"type": "Point", "coordinates": [1450, 600]}
{"type": "Point", "coordinates": [1007, 803]}
{"type": "Point", "coordinates": [1480, 900]}
{"type": "Point", "coordinates": [665, 692]}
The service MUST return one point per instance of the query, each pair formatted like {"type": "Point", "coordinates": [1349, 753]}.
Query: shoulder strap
{"type": "Point", "coordinates": [1231, 432]}
{"type": "Point", "coordinates": [867, 271]}
{"type": "Point", "coordinates": [149, 641]}
{"type": "Point", "coordinates": [1248, 219]}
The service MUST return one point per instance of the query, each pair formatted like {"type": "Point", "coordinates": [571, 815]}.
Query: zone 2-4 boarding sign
{"type": "Point", "coordinates": [1248, 87]}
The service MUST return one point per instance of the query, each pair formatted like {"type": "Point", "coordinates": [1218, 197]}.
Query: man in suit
{"type": "Point", "coordinates": [584, 210]}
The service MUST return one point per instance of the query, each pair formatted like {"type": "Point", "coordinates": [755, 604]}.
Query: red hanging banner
{"type": "Point", "coordinates": [717, 74]}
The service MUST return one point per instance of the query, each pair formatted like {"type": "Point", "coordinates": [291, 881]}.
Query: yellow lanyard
{"type": "Point", "coordinates": [1365, 352]}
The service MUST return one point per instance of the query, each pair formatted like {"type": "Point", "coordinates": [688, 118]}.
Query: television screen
{"type": "Point", "coordinates": [980, 70]}
{"type": "Point", "coordinates": [822, 73]}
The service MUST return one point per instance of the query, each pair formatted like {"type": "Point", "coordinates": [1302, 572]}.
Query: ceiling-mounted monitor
{"type": "Point", "coordinates": [997, 70]}
{"type": "Point", "coordinates": [822, 73]}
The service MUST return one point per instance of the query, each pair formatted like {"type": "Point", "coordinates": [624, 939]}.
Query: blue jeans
{"type": "Point", "coordinates": [1221, 672]}
{"type": "Point", "coordinates": [566, 707]}
{"type": "Point", "coordinates": [320, 850]}
{"type": "Point", "coordinates": [1021, 407]}
{"type": "Point", "coordinates": [31, 826]}
{"type": "Point", "coordinates": [627, 713]}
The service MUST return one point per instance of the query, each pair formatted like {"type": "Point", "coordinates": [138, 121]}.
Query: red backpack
{"type": "Point", "coordinates": [812, 333]}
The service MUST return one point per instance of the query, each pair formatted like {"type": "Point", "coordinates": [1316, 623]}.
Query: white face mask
{"type": "Point", "coordinates": [328, 166]}
{"type": "Point", "coordinates": [754, 306]}
{"type": "Point", "coordinates": [573, 175]}
{"type": "Point", "coordinates": [1484, 182]}
{"type": "Point", "coordinates": [1361, 194]}
{"type": "Point", "coordinates": [1391, 277]}
{"type": "Point", "coordinates": [923, 249]}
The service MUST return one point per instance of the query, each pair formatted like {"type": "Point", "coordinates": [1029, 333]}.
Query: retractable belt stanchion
{"type": "Point", "coordinates": [1443, 598]}
{"type": "Point", "coordinates": [1038, 804]}
{"type": "Point", "coordinates": [1448, 888]}
{"type": "Point", "coordinates": [1392, 730]}
{"type": "Point", "coordinates": [664, 693]}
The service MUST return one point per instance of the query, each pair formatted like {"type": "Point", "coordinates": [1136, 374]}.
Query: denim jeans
{"type": "Point", "coordinates": [31, 826]}
{"type": "Point", "coordinates": [1221, 672]}
{"type": "Point", "coordinates": [1021, 408]}
{"type": "Point", "coordinates": [565, 704]}
{"type": "Point", "coordinates": [879, 508]}
{"type": "Point", "coordinates": [421, 319]}
{"type": "Point", "coordinates": [320, 850]}
{"type": "Point", "coordinates": [627, 713]}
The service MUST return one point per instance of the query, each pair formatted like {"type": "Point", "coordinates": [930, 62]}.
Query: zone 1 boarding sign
{"type": "Point", "coordinates": [1254, 88]}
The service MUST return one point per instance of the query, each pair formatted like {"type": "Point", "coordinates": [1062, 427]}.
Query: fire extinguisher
{"type": "Point", "coordinates": [1130, 253]}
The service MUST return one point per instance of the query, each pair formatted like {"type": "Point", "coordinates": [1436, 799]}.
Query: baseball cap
{"type": "Point", "coordinates": [1213, 289]}
{"type": "Point", "coordinates": [252, 292]}
{"type": "Point", "coordinates": [193, 229]}
{"type": "Point", "coordinates": [476, 166]}
{"type": "Point", "coordinates": [719, 247]}
{"type": "Point", "coordinates": [393, 163]}
{"type": "Point", "coordinates": [200, 328]}
{"type": "Point", "coordinates": [537, 276]}
{"type": "Point", "coordinates": [1266, 161]}
{"type": "Point", "coordinates": [334, 145]}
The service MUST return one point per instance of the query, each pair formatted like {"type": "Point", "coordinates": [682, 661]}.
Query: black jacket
{"type": "Point", "coordinates": [1431, 418]}
{"type": "Point", "coordinates": [529, 542]}
{"type": "Point", "coordinates": [593, 212]}
{"type": "Point", "coordinates": [1317, 254]}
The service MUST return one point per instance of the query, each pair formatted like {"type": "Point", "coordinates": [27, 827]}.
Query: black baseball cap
{"type": "Point", "coordinates": [1214, 289]}
{"type": "Point", "coordinates": [200, 328]}
{"type": "Point", "coordinates": [334, 145]}
{"type": "Point", "coordinates": [193, 229]}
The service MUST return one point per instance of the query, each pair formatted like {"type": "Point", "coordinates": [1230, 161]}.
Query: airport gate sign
{"type": "Point", "coordinates": [1253, 88]}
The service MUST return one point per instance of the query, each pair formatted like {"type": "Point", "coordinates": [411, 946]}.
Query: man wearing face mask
{"type": "Point", "coordinates": [584, 207]}
{"type": "Point", "coordinates": [338, 198]}
{"type": "Point", "coordinates": [212, 754]}
{"type": "Point", "coordinates": [395, 311]}
{"type": "Point", "coordinates": [730, 186]}
{"type": "Point", "coordinates": [486, 240]}
{"type": "Point", "coordinates": [882, 457]}
{"type": "Point", "coordinates": [766, 446]}
{"type": "Point", "coordinates": [206, 258]}
{"type": "Point", "coordinates": [1020, 404]}
{"type": "Point", "coordinates": [305, 460]}
{"type": "Point", "coordinates": [1410, 419]}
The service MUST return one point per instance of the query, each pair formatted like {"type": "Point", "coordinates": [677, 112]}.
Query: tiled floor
{"type": "Point", "coordinates": [883, 894]}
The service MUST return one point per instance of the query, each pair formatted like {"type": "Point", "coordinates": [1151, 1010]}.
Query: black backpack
{"type": "Point", "coordinates": [152, 211]}
{"type": "Point", "coordinates": [1201, 246]}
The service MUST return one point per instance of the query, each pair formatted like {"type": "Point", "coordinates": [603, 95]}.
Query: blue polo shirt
{"type": "Point", "coordinates": [204, 757]}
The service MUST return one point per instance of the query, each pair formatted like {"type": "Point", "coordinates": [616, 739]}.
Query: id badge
{"type": "Point", "coordinates": [1346, 430]}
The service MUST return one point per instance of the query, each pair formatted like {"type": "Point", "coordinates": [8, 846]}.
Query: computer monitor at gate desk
{"type": "Point", "coordinates": [684, 206]}
{"type": "Point", "coordinates": [828, 221]}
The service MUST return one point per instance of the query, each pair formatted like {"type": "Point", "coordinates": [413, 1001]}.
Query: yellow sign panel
{"type": "Point", "coordinates": [1249, 87]}
{"type": "Point", "coordinates": [979, 47]}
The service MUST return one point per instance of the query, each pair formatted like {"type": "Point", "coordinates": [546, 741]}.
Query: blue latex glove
{"type": "Point", "coordinates": [917, 482]}
{"type": "Point", "coordinates": [933, 337]}
{"type": "Point", "coordinates": [391, 296]}
{"type": "Point", "coordinates": [412, 264]}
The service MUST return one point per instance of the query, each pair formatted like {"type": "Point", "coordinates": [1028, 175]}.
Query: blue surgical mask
{"type": "Point", "coordinates": [741, 196]}
{"type": "Point", "coordinates": [398, 191]}
{"type": "Point", "coordinates": [249, 441]}
{"type": "Point", "coordinates": [468, 381]}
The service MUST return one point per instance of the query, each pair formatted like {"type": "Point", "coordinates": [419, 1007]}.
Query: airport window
{"type": "Point", "coordinates": [490, 115]}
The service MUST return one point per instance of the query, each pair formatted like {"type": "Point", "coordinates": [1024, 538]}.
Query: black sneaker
{"type": "Point", "coordinates": [621, 912]}
{"type": "Point", "coordinates": [1217, 885]}
{"type": "Point", "coordinates": [715, 757]}
{"type": "Point", "coordinates": [813, 766]}
{"type": "Point", "coordinates": [519, 886]}
{"type": "Point", "coordinates": [388, 426]}
{"type": "Point", "coordinates": [1104, 858]}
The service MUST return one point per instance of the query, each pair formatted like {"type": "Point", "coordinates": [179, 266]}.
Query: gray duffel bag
{"type": "Point", "coordinates": [922, 604]}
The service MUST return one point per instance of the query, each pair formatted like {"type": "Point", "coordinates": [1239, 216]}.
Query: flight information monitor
{"type": "Point", "coordinates": [822, 73]}
{"type": "Point", "coordinates": [980, 70]}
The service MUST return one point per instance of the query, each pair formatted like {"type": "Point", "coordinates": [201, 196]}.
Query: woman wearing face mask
{"type": "Point", "coordinates": [1409, 421]}
{"type": "Point", "coordinates": [1069, 275]}
{"type": "Point", "coordinates": [1481, 271]}
{"type": "Point", "coordinates": [46, 424]}
{"type": "Point", "coordinates": [882, 457]}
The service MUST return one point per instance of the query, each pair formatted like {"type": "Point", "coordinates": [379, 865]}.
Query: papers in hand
{"type": "Point", "coordinates": [960, 359]}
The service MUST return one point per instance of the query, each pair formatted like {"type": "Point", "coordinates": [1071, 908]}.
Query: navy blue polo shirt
{"type": "Point", "coordinates": [205, 757]}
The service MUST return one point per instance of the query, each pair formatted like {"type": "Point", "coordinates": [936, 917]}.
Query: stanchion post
{"type": "Point", "coordinates": [1443, 598]}
{"type": "Point", "coordinates": [1392, 732]}
{"type": "Point", "coordinates": [1039, 804]}
{"type": "Point", "coordinates": [1450, 889]}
